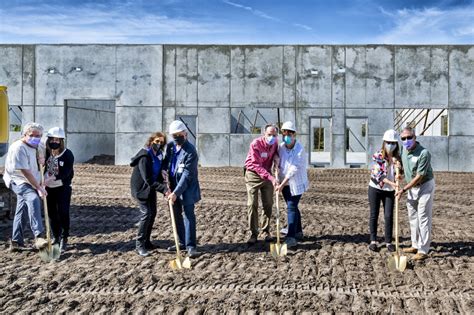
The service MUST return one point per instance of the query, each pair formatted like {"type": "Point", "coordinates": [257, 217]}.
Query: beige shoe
{"type": "Point", "coordinates": [14, 246]}
{"type": "Point", "coordinates": [410, 250]}
{"type": "Point", "coordinates": [419, 256]}
{"type": "Point", "coordinates": [40, 243]}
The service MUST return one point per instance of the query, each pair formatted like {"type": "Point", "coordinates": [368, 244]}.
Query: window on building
{"type": "Point", "coordinates": [425, 121]}
{"type": "Point", "coordinates": [356, 141]}
{"type": "Point", "coordinates": [320, 140]}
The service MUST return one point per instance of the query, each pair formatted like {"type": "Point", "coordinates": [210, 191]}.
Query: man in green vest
{"type": "Point", "coordinates": [420, 190]}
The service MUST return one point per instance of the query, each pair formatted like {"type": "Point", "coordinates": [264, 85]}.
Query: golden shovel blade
{"type": "Point", "coordinates": [50, 253]}
{"type": "Point", "coordinates": [180, 263]}
{"type": "Point", "coordinates": [397, 262]}
{"type": "Point", "coordinates": [278, 250]}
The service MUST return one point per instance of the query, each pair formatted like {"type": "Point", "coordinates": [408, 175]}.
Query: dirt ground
{"type": "Point", "coordinates": [332, 270]}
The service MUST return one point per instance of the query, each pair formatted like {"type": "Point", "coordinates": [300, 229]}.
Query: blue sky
{"type": "Point", "coordinates": [238, 22]}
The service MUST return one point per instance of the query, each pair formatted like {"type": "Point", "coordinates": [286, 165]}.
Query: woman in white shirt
{"type": "Point", "coordinates": [382, 188]}
{"type": "Point", "coordinates": [293, 179]}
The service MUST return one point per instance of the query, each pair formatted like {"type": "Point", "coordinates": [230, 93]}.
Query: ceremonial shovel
{"type": "Point", "coordinates": [179, 262]}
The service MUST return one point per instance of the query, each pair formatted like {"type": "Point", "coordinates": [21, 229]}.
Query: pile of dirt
{"type": "Point", "coordinates": [332, 270]}
{"type": "Point", "coordinates": [102, 159]}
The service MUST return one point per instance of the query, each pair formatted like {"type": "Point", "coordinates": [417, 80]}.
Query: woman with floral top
{"type": "Point", "coordinates": [382, 187]}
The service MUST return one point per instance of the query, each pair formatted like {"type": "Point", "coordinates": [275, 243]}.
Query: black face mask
{"type": "Point", "coordinates": [156, 146]}
{"type": "Point", "coordinates": [54, 145]}
{"type": "Point", "coordinates": [179, 140]}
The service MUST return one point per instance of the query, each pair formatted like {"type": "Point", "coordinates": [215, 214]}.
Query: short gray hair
{"type": "Point", "coordinates": [409, 129]}
{"type": "Point", "coordinates": [32, 126]}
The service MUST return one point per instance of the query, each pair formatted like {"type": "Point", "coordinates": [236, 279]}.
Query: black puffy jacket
{"type": "Point", "coordinates": [141, 182]}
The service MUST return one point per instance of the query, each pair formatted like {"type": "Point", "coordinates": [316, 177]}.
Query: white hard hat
{"type": "Point", "coordinates": [177, 126]}
{"type": "Point", "coordinates": [288, 125]}
{"type": "Point", "coordinates": [56, 132]}
{"type": "Point", "coordinates": [390, 136]}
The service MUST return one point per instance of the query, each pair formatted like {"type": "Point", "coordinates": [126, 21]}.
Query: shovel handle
{"type": "Point", "coordinates": [175, 232]}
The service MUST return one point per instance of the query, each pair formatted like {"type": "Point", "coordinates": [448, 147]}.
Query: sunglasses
{"type": "Point", "coordinates": [406, 138]}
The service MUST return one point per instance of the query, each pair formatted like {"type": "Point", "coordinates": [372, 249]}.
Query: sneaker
{"type": "Point", "coordinates": [252, 240]}
{"type": "Point", "coordinates": [40, 243]}
{"type": "Point", "coordinates": [410, 250]}
{"type": "Point", "coordinates": [142, 252]}
{"type": "Point", "coordinates": [390, 247]}
{"type": "Point", "coordinates": [15, 247]}
{"type": "Point", "coordinates": [63, 245]}
{"type": "Point", "coordinates": [173, 248]}
{"type": "Point", "coordinates": [291, 242]}
{"type": "Point", "coordinates": [373, 247]}
{"type": "Point", "coordinates": [284, 231]}
{"type": "Point", "coordinates": [193, 252]}
{"type": "Point", "coordinates": [419, 256]}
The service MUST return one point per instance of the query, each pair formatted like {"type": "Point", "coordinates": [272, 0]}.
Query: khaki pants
{"type": "Point", "coordinates": [420, 214]}
{"type": "Point", "coordinates": [254, 184]}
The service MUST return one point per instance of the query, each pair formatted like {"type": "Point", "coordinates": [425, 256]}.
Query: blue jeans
{"type": "Point", "coordinates": [28, 206]}
{"type": "Point", "coordinates": [187, 228]}
{"type": "Point", "coordinates": [294, 214]}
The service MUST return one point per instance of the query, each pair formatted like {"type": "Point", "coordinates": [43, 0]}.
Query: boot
{"type": "Point", "coordinates": [63, 244]}
{"type": "Point", "coordinates": [142, 251]}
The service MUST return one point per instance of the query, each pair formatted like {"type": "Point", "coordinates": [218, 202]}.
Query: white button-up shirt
{"type": "Point", "coordinates": [293, 164]}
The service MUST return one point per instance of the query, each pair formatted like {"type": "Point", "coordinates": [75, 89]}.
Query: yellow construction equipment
{"type": "Point", "coordinates": [4, 121]}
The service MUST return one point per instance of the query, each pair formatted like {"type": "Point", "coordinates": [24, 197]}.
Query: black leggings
{"type": "Point", "coordinates": [388, 199]}
{"type": "Point", "coordinates": [59, 201]}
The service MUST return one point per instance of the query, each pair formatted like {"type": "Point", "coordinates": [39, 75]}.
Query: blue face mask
{"type": "Point", "coordinates": [287, 139]}
{"type": "Point", "coordinates": [270, 139]}
{"type": "Point", "coordinates": [34, 142]}
{"type": "Point", "coordinates": [408, 143]}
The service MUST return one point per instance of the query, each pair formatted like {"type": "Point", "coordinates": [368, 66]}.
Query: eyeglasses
{"type": "Point", "coordinates": [406, 138]}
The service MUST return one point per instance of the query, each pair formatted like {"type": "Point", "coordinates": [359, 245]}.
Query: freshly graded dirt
{"type": "Point", "coordinates": [332, 270]}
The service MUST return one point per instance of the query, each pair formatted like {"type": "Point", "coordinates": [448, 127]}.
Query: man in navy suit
{"type": "Point", "coordinates": [181, 164]}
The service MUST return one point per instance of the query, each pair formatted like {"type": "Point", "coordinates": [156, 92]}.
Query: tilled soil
{"type": "Point", "coordinates": [332, 270]}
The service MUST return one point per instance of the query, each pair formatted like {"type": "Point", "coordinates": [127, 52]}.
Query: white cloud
{"type": "Point", "coordinates": [252, 10]}
{"type": "Point", "coordinates": [94, 23]}
{"type": "Point", "coordinates": [430, 26]}
{"type": "Point", "coordinates": [306, 27]}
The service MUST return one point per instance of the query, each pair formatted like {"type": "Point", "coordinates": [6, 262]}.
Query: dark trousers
{"type": "Point", "coordinates": [186, 227]}
{"type": "Point", "coordinates": [387, 198]}
{"type": "Point", "coordinates": [59, 202]}
{"type": "Point", "coordinates": [294, 214]}
{"type": "Point", "coordinates": [146, 219]}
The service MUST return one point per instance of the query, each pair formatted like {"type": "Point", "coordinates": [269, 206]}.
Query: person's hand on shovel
{"type": "Point", "coordinates": [172, 197]}
{"type": "Point", "coordinates": [41, 191]}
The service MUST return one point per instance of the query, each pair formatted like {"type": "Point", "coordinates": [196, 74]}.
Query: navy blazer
{"type": "Point", "coordinates": [185, 173]}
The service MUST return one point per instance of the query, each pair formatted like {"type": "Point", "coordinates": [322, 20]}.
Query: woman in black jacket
{"type": "Point", "coordinates": [146, 180]}
{"type": "Point", "coordinates": [59, 173]}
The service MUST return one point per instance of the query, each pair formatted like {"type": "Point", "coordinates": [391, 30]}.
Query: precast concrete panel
{"type": "Point", "coordinates": [11, 72]}
{"type": "Point", "coordinates": [257, 76]}
{"type": "Point", "coordinates": [139, 75]}
{"type": "Point", "coordinates": [313, 66]}
{"type": "Point", "coordinates": [214, 120]}
{"type": "Point", "coordinates": [461, 122]}
{"type": "Point", "coordinates": [169, 114]}
{"type": "Point", "coordinates": [74, 71]}
{"type": "Point", "coordinates": [128, 144]}
{"type": "Point", "coordinates": [214, 76]}
{"type": "Point", "coordinates": [28, 74]}
{"type": "Point", "coordinates": [289, 76]}
{"type": "Point", "coordinates": [50, 116]}
{"type": "Point", "coordinates": [213, 149]}
{"type": "Point", "coordinates": [239, 147]}
{"type": "Point", "coordinates": [461, 77]}
{"type": "Point", "coordinates": [338, 77]}
{"type": "Point", "coordinates": [27, 113]}
{"type": "Point", "coordinates": [460, 149]}
{"type": "Point", "coordinates": [356, 77]}
{"type": "Point", "coordinates": [380, 77]}
{"type": "Point", "coordinates": [169, 75]}
{"type": "Point", "coordinates": [338, 151]}
{"type": "Point", "coordinates": [438, 77]}
{"type": "Point", "coordinates": [138, 119]}
{"type": "Point", "coordinates": [380, 120]}
{"type": "Point", "coordinates": [438, 146]}
{"type": "Point", "coordinates": [186, 76]}
{"type": "Point", "coordinates": [187, 111]}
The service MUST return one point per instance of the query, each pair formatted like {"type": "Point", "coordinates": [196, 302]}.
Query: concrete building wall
{"type": "Point", "coordinates": [151, 85]}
